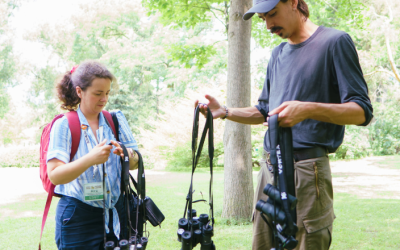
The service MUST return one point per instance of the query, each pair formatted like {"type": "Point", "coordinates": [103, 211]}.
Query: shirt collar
{"type": "Point", "coordinates": [84, 121]}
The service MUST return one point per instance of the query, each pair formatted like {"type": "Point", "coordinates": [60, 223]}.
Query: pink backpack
{"type": "Point", "coordinates": [75, 128]}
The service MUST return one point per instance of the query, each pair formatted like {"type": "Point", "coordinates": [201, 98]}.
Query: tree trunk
{"type": "Point", "coordinates": [238, 186]}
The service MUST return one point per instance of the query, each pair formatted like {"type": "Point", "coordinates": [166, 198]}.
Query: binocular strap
{"type": "Point", "coordinates": [281, 157]}
{"type": "Point", "coordinates": [196, 153]}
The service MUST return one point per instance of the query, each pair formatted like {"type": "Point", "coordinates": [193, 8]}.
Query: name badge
{"type": "Point", "coordinates": [93, 191]}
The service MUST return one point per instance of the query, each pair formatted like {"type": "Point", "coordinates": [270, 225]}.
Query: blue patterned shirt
{"type": "Point", "coordinates": [60, 148]}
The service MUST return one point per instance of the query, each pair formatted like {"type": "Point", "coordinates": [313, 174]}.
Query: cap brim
{"type": "Point", "coordinates": [262, 7]}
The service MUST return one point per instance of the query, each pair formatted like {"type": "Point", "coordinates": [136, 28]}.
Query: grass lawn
{"type": "Point", "coordinates": [360, 223]}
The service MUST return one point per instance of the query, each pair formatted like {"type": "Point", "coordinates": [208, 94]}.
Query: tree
{"type": "Point", "coordinates": [238, 186]}
{"type": "Point", "coordinates": [7, 57]}
{"type": "Point", "coordinates": [136, 50]}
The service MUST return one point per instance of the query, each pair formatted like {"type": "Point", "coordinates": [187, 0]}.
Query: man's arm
{"type": "Point", "coordinates": [250, 115]}
{"type": "Point", "coordinates": [293, 112]}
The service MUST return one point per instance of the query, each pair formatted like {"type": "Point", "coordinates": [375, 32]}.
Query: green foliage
{"type": "Point", "coordinates": [381, 137]}
{"type": "Point", "coordinates": [7, 74]}
{"type": "Point", "coordinates": [190, 15]}
{"type": "Point", "coordinates": [346, 15]}
{"type": "Point", "coordinates": [4, 102]}
{"type": "Point", "coordinates": [257, 144]}
{"type": "Point", "coordinates": [355, 144]}
{"type": "Point", "coordinates": [19, 157]}
{"type": "Point", "coordinates": [137, 94]}
{"type": "Point", "coordinates": [385, 131]}
{"type": "Point", "coordinates": [192, 55]}
{"type": "Point", "coordinates": [180, 158]}
{"type": "Point", "coordinates": [7, 58]}
{"type": "Point", "coordinates": [183, 13]}
{"type": "Point", "coordinates": [42, 93]}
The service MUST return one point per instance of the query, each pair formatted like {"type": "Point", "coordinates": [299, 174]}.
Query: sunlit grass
{"type": "Point", "coordinates": [360, 223]}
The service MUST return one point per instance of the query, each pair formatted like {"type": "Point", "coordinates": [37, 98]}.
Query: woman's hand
{"type": "Point", "coordinates": [118, 149]}
{"type": "Point", "coordinates": [100, 153]}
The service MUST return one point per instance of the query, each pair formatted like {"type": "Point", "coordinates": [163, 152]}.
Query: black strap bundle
{"type": "Point", "coordinates": [140, 186]}
{"type": "Point", "coordinates": [281, 157]}
{"type": "Point", "coordinates": [196, 153]}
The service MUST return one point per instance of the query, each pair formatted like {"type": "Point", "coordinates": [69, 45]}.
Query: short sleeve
{"type": "Point", "coordinates": [60, 141]}
{"type": "Point", "coordinates": [351, 82]}
{"type": "Point", "coordinates": [125, 134]}
{"type": "Point", "coordinates": [263, 99]}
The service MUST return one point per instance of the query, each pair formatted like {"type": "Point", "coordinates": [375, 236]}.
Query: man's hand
{"type": "Point", "coordinates": [291, 113]}
{"type": "Point", "coordinates": [216, 109]}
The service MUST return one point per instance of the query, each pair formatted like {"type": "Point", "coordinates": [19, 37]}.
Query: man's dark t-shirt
{"type": "Point", "coordinates": [325, 68]}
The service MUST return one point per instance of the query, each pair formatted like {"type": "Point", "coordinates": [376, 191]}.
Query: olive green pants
{"type": "Point", "coordinates": [314, 209]}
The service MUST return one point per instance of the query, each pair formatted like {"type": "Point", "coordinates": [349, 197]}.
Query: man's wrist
{"type": "Point", "coordinates": [226, 113]}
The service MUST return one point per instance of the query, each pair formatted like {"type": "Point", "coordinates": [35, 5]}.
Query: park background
{"type": "Point", "coordinates": [166, 54]}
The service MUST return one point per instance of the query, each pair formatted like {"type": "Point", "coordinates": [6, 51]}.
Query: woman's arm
{"type": "Point", "coordinates": [60, 172]}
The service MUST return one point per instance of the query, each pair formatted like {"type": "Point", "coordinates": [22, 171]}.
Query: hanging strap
{"type": "Point", "coordinates": [281, 157]}
{"type": "Point", "coordinates": [196, 153]}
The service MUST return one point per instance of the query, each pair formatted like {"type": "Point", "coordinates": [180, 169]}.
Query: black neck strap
{"type": "Point", "coordinates": [196, 153]}
{"type": "Point", "coordinates": [281, 157]}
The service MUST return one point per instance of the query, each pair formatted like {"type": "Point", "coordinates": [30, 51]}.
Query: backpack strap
{"type": "Point", "coordinates": [110, 122]}
{"type": "Point", "coordinates": [75, 128]}
{"type": "Point", "coordinates": [116, 124]}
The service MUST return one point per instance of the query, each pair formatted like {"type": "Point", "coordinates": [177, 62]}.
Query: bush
{"type": "Point", "coordinates": [181, 157]}
{"type": "Point", "coordinates": [355, 144]}
{"type": "Point", "coordinates": [20, 156]}
{"type": "Point", "coordinates": [385, 131]}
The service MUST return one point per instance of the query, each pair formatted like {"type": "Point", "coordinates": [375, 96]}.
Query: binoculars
{"type": "Point", "coordinates": [278, 216]}
{"type": "Point", "coordinates": [133, 244]}
{"type": "Point", "coordinates": [202, 232]}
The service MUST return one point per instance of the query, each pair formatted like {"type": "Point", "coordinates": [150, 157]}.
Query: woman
{"type": "Point", "coordinates": [79, 216]}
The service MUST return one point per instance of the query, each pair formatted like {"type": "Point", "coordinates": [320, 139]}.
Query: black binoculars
{"type": "Point", "coordinates": [133, 244]}
{"type": "Point", "coordinates": [202, 232]}
{"type": "Point", "coordinates": [284, 232]}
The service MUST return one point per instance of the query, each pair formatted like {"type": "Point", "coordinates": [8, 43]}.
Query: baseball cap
{"type": "Point", "coordinates": [260, 6]}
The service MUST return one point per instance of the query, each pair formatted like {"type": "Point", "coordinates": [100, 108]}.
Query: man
{"type": "Point", "coordinates": [315, 83]}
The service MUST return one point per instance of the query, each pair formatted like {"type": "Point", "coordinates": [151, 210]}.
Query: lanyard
{"type": "Point", "coordinates": [89, 145]}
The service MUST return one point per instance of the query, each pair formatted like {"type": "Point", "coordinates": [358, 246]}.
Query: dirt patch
{"type": "Point", "coordinates": [367, 178]}
{"type": "Point", "coordinates": [8, 213]}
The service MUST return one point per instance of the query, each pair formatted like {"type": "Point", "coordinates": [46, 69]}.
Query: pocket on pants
{"type": "Point", "coordinates": [319, 230]}
{"type": "Point", "coordinates": [313, 187]}
{"type": "Point", "coordinates": [67, 214]}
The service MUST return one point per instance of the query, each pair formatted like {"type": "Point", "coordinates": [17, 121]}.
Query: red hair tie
{"type": "Point", "coordinates": [74, 68]}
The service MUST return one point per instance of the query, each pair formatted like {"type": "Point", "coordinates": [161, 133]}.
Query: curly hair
{"type": "Point", "coordinates": [83, 77]}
